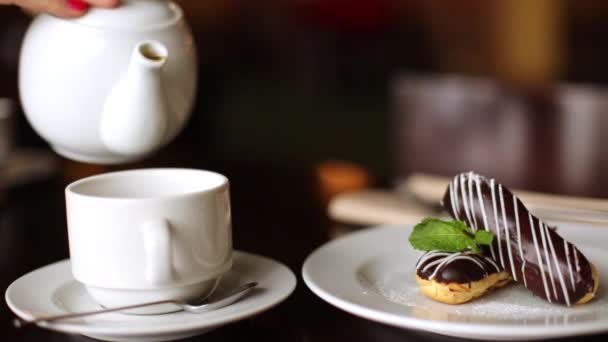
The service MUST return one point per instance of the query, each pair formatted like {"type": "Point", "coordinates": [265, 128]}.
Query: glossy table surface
{"type": "Point", "coordinates": [278, 212]}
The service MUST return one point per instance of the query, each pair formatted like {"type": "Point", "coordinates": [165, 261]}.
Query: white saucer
{"type": "Point", "coordinates": [52, 290]}
{"type": "Point", "coordinates": [371, 274]}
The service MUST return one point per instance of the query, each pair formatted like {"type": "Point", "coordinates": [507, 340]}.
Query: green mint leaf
{"type": "Point", "coordinates": [474, 248]}
{"type": "Point", "coordinates": [462, 226]}
{"type": "Point", "coordinates": [483, 237]}
{"type": "Point", "coordinates": [433, 234]}
{"type": "Point", "coordinates": [458, 224]}
{"type": "Point", "coordinates": [449, 236]}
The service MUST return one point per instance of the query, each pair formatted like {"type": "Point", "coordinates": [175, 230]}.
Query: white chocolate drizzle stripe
{"type": "Point", "coordinates": [557, 268]}
{"type": "Point", "coordinates": [472, 207]}
{"type": "Point", "coordinates": [540, 262]}
{"type": "Point", "coordinates": [569, 265]}
{"type": "Point", "coordinates": [507, 235]}
{"type": "Point", "coordinates": [544, 240]}
{"type": "Point", "coordinates": [454, 204]}
{"type": "Point", "coordinates": [493, 263]}
{"type": "Point", "coordinates": [521, 251]}
{"type": "Point", "coordinates": [497, 227]}
{"type": "Point", "coordinates": [447, 258]}
{"type": "Point", "coordinates": [429, 255]}
{"type": "Point", "coordinates": [441, 264]}
{"type": "Point", "coordinates": [464, 200]}
{"type": "Point", "coordinates": [576, 262]}
{"type": "Point", "coordinates": [432, 263]}
{"type": "Point", "coordinates": [483, 213]}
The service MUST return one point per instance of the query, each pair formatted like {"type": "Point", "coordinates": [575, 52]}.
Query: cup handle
{"type": "Point", "coordinates": [157, 248]}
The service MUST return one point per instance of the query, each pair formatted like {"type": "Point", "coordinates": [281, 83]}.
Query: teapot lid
{"type": "Point", "coordinates": [133, 14]}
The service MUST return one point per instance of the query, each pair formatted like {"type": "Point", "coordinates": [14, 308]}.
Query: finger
{"type": "Point", "coordinates": [78, 5]}
{"type": "Point", "coordinates": [59, 8]}
{"type": "Point", "coordinates": [104, 3]}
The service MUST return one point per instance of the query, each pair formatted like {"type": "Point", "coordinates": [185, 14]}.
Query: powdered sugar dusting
{"type": "Point", "coordinates": [398, 290]}
{"type": "Point", "coordinates": [511, 304]}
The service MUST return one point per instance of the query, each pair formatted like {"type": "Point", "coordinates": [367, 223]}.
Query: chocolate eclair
{"type": "Point", "coordinates": [533, 253]}
{"type": "Point", "coordinates": [456, 278]}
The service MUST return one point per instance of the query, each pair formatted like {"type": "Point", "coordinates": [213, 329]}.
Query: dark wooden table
{"type": "Point", "coordinates": [277, 212]}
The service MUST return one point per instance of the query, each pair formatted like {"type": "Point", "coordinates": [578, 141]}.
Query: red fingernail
{"type": "Point", "coordinates": [77, 5]}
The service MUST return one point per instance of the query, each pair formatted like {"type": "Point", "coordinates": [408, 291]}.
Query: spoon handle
{"type": "Point", "coordinates": [228, 298]}
{"type": "Point", "coordinates": [224, 300]}
{"type": "Point", "coordinates": [20, 323]}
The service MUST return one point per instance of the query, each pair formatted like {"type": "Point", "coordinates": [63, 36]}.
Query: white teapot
{"type": "Point", "coordinates": [112, 86]}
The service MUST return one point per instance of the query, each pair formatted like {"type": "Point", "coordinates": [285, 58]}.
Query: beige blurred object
{"type": "Point", "coordinates": [375, 207]}
{"type": "Point", "coordinates": [6, 129]}
{"type": "Point", "coordinates": [27, 165]}
{"type": "Point", "coordinates": [419, 196]}
{"type": "Point", "coordinates": [20, 166]}
{"type": "Point", "coordinates": [430, 189]}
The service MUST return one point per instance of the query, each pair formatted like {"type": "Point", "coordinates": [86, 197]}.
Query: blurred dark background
{"type": "Point", "coordinates": [511, 88]}
{"type": "Point", "coordinates": [301, 99]}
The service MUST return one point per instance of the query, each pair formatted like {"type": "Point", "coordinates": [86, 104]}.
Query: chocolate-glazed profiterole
{"type": "Point", "coordinates": [530, 251]}
{"type": "Point", "coordinates": [462, 267]}
{"type": "Point", "coordinates": [456, 278]}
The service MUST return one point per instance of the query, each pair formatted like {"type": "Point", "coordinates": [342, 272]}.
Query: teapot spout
{"type": "Point", "coordinates": [135, 115]}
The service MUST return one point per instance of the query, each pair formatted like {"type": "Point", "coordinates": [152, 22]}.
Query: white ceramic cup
{"type": "Point", "coordinates": [149, 234]}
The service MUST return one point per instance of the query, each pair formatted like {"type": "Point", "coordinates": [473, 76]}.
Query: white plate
{"type": "Point", "coordinates": [371, 274]}
{"type": "Point", "coordinates": [52, 290]}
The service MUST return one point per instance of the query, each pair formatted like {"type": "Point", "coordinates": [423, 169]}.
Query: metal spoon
{"type": "Point", "coordinates": [195, 306]}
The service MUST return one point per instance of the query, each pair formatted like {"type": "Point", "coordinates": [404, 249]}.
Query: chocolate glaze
{"type": "Point", "coordinates": [464, 267]}
{"type": "Point", "coordinates": [533, 253]}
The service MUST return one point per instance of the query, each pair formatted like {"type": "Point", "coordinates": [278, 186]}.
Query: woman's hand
{"type": "Point", "coordinates": [61, 8]}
